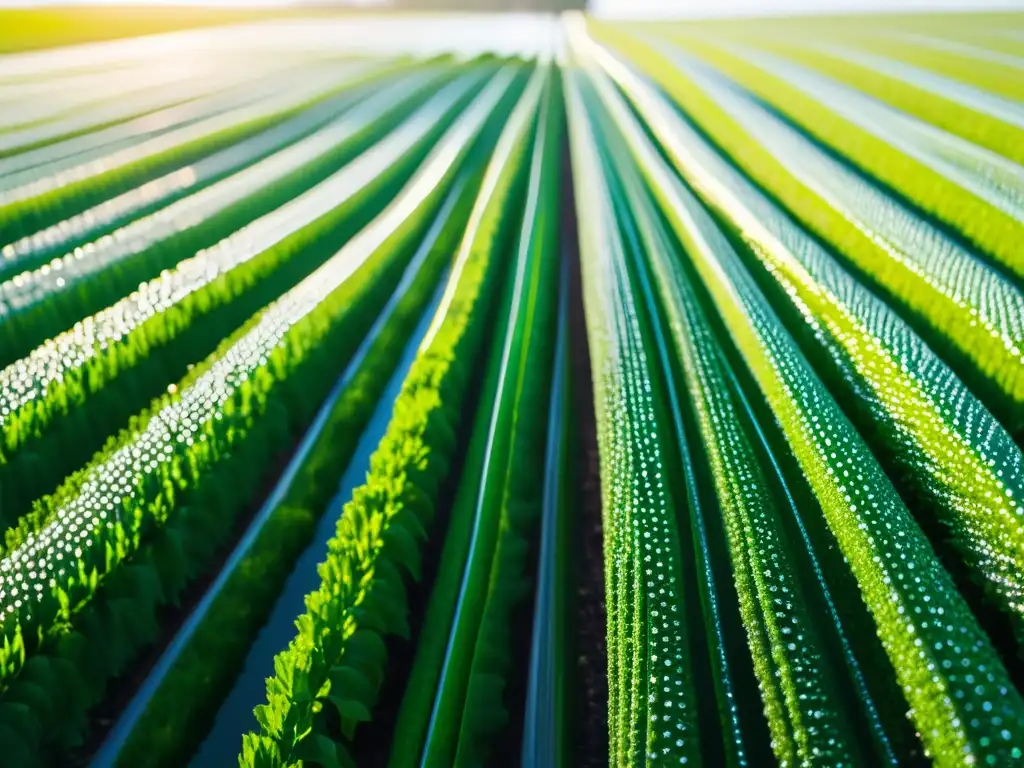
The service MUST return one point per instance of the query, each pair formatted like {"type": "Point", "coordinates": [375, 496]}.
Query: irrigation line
{"type": "Point", "coordinates": [544, 715]}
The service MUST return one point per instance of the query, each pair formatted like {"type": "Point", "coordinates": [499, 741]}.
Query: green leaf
{"type": "Point", "coordinates": [403, 548]}
{"type": "Point", "coordinates": [349, 682]}
{"type": "Point", "coordinates": [350, 708]}
{"type": "Point", "coordinates": [269, 718]}
{"type": "Point", "coordinates": [319, 749]}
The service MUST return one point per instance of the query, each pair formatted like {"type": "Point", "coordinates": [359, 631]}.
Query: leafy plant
{"type": "Point", "coordinates": [39, 204]}
{"type": "Point", "coordinates": [180, 711]}
{"type": "Point", "coordinates": [51, 299]}
{"type": "Point", "coordinates": [963, 466]}
{"type": "Point", "coordinates": [931, 106]}
{"type": "Point", "coordinates": [988, 227]}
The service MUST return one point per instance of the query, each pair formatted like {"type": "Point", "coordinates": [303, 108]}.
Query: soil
{"type": "Point", "coordinates": [589, 692]}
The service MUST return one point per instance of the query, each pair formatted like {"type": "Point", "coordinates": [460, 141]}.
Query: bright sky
{"type": "Point", "coordinates": [666, 8]}
{"type": "Point", "coordinates": [641, 8]}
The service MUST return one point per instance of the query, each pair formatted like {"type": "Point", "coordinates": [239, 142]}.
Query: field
{"type": "Point", "coordinates": [537, 390]}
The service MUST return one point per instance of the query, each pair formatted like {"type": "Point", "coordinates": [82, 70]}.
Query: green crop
{"type": "Point", "coordinates": [991, 229]}
{"type": "Point", "coordinates": [651, 699]}
{"type": "Point", "coordinates": [991, 76]}
{"type": "Point", "coordinates": [924, 624]}
{"type": "Point", "coordinates": [962, 462]}
{"type": "Point", "coordinates": [946, 113]}
{"type": "Point", "coordinates": [179, 713]}
{"type": "Point", "coordinates": [44, 302]}
{"type": "Point", "coordinates": [969, 307]}
{"type": "Point", "coordinates": [646, 393]}
{"type": "Point", "coordinates": [26, 215]}
{"type": "Point", "coordinates": [802, 704]}
{"type": "Point", "coordinates": [454, 697]}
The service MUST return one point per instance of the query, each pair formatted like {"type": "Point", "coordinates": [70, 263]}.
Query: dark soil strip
{"type": "Point", "coordinates": [588, 698]}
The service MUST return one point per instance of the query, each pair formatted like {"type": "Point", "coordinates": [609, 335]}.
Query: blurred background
{"type": "Point", "coordinates": [28, 24]}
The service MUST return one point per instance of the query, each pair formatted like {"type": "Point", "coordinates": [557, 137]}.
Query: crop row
{"type": "Point", "coordinates": [65, 394]}
{"type": "Point", "coordinates": [660, 401]}
{"type": "Point", "coordinates": [797, 377]}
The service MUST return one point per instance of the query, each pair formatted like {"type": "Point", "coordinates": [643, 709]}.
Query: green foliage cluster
{"type": "Point", "coordinates": [960, 467]}
{"type": "Point", "coordinates": [806, 359]}
{"type": "Point", "coordinates": [652, 695]}
{"type": "Point", "coordinates": [50, 436]}
{"type": "Point", "coordinates": [959, 307]}
{"type": "Point", "coordinates": [60, 305]}
{"type": "Point", "coordinates": [991, 230]}
{"type": "Point", "coordinates": [804, 704]}
{"type": "Point", "coordinates": [180, 711]}
{"type": "Point", "coordinates": [946, 113]}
